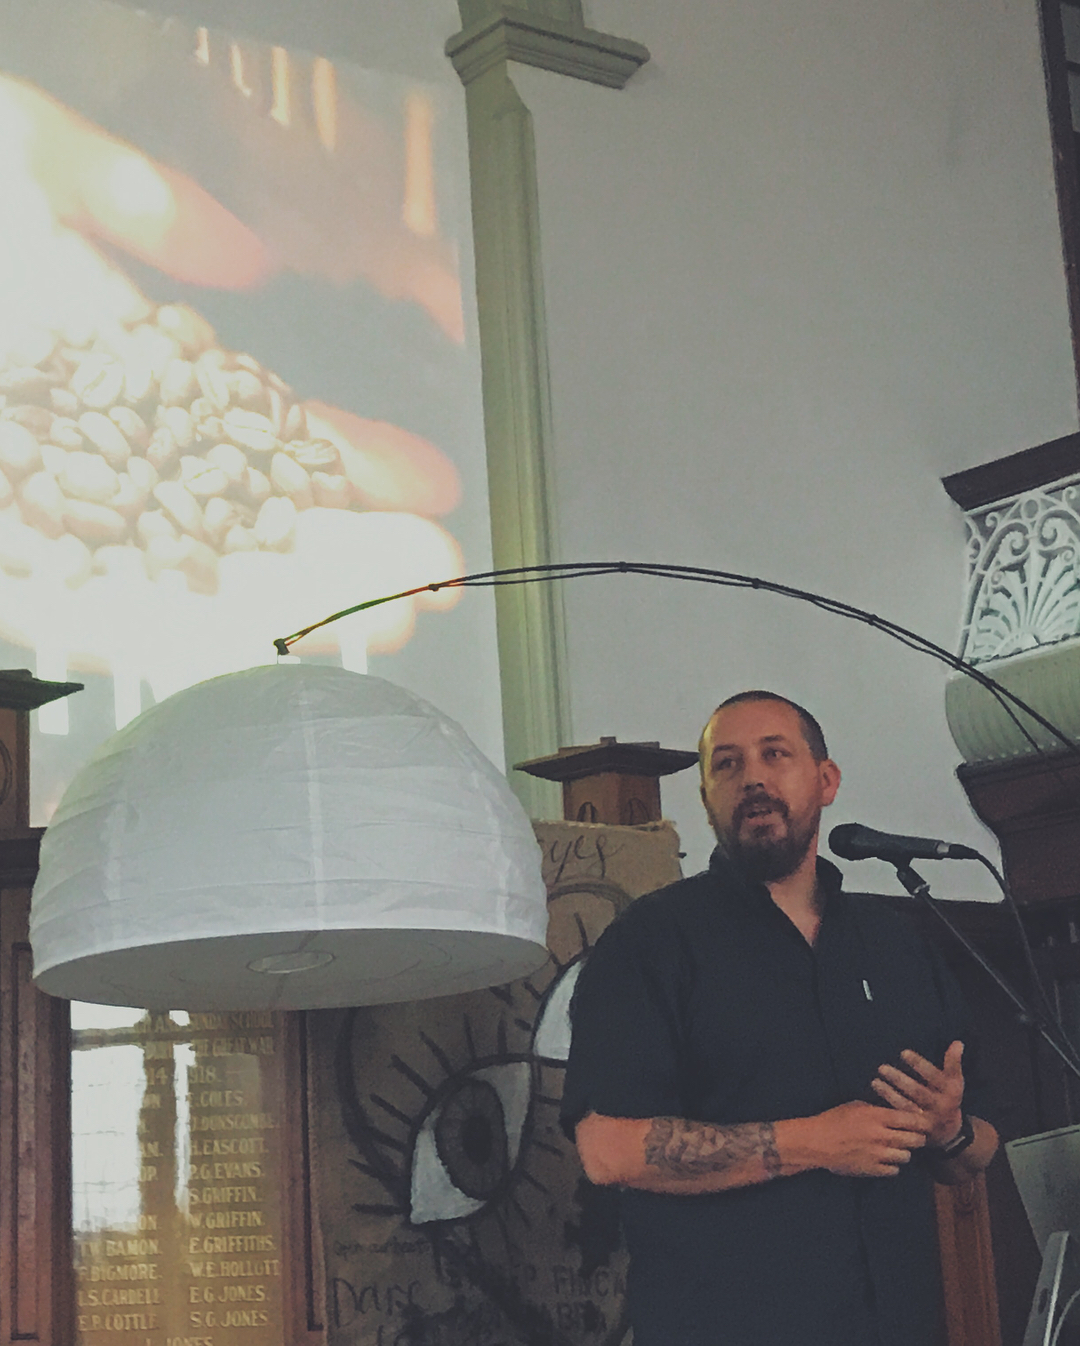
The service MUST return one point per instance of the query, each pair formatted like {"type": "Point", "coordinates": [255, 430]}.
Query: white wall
{"type": "Point", "coordinates": [804, 265]}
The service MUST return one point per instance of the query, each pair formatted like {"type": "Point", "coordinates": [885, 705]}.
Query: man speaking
{"type": "Point", "coordinates": [773, 1073]}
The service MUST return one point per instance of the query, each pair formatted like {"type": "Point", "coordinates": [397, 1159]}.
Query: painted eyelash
{"type": "Point", "coordinates": [414, 1077]}
{"type": "Point", "coordinates": [459, 1243]}
{"type": "Point", "coordinates": [373, 1141]}
{"type": "Point", "coordinates": [390, 1109]}
{"type": "Point", "coordinates": [358, 1126]}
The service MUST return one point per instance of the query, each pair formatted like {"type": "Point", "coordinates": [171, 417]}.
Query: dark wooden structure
{"type": "Point", "coordinates": [1032, 804]}
{"type": "Point", "coordinates": [609, 781]}
{"type": "Point", "coordinates": [1060, 67]}
{"type": "Point", "coordinates": [989, 1258]}
{"type": "Point", "coordinates": [1033, 807]}
{"type": "Point", "coordinates": [36, 1304]}
{"type": "Point", "coordinates": [1022, 471]}
{"type": "Point", "coordinates": [37, 1276]}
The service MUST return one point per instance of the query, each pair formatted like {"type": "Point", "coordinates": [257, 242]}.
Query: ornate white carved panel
{"type": "Point", "coordinates": [1023, 573]}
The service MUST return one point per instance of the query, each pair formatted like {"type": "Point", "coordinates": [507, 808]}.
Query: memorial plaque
{"type": "Point", "coordinates": [178, 1177]}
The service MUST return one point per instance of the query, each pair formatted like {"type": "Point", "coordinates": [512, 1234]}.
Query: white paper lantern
{"type": "Point", "coordinates": [287, 837]}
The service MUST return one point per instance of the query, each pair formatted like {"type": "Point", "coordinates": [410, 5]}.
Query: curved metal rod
{"type": "Point", "coordinates": [1008, 700]}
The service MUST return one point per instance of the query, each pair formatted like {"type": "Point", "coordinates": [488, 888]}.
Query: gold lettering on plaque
{"type": "Point", "coordinates": [177, 1175]}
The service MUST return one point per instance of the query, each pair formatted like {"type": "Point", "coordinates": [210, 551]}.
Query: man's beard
{"type": "Point", "coordinates": [767, 859]}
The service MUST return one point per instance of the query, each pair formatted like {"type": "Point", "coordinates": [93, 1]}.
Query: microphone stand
{"type": "Point", "coordinates": [1058, 1274]}
{"type": "Point", "coordinates": [918, 887]}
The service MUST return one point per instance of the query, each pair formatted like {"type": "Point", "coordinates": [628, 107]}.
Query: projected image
{"type": "Point", "coordinates": [238, 388]}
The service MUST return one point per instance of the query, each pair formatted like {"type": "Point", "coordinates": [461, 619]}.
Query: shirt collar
{"type": "Point", "coordinates": [722, 867]}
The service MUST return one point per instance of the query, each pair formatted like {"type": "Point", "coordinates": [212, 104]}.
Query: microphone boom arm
{"type": "Point", "coordinates": [918, 887]}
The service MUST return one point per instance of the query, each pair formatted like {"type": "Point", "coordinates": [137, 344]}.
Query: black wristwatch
{"type": "Point", "coordinates": [959, 1142]}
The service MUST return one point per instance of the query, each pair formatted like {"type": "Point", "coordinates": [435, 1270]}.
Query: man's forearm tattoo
{"type": "Point", "coordinates": [683, 1149]}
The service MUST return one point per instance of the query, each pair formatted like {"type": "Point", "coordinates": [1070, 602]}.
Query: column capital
{"type": "Point", "coordinates": [550, 34]}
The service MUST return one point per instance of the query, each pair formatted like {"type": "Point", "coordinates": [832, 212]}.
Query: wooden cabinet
{"type": "Point", "coordinates": [36, 1298]}
{"type": "Point", "coordinates": [967, 1265]}
{"type": "Point", "coordinates": [37, 1254]}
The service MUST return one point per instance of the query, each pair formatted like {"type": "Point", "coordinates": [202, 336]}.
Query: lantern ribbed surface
{"type": "Point", "coordinates": [287, 837]}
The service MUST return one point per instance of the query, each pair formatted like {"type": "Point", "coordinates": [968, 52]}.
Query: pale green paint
{"type": "Point", "coordinates": [527, 33]}
{"type": "Point", "coordinates": [513, 346]}
{"type": "Point", "coordinates": [517, 421]}
{"type": "Point", "coordinates": [1047, 678]}
{"type": "Point", "coordinates": [513, 354]}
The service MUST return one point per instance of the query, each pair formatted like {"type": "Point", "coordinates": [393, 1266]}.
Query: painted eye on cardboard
{"type": "Point", "coordinates": [468, 1142]}
{"type": "Point", "coordinates": [551, 1035]}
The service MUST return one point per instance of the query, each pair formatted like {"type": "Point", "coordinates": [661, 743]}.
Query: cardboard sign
{"type": "Point", "coordinates": [454, 1210]}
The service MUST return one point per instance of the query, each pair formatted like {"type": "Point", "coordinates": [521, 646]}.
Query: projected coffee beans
{"type": "Point", "coordinates": [152, 436]}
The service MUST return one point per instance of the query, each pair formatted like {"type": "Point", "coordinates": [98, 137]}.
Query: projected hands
{"type": "Point", "coordinates": [105, 189]}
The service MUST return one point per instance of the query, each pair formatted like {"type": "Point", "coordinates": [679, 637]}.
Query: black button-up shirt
{"type": "Point", "coordinates": [704, 1001]}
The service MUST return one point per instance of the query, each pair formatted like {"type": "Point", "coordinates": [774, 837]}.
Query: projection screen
{"type": "Point", "coordinates": [239, 366]}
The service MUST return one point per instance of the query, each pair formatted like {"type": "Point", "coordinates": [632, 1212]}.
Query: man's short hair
{"type": "Point", "coordinates": [812, 732]}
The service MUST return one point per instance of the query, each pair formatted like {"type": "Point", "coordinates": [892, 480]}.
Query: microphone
{"type": "Point", "coordinates": [852, 841]}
